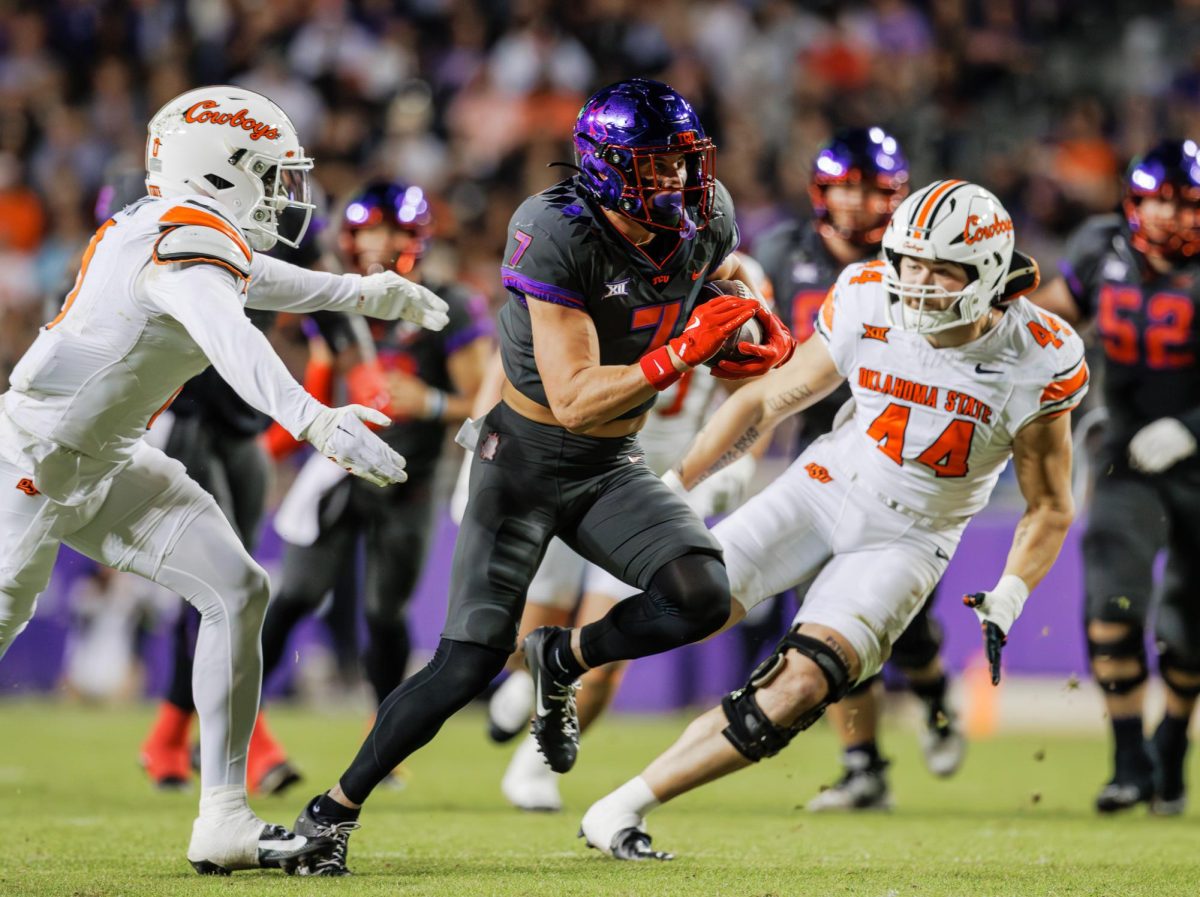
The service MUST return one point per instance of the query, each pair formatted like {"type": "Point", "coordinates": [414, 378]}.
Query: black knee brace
{"type": "Point", "coordinates": [1170, 663]}
{"type": "Point", "coordinates": [750, 730]}
{"type": "Point", "coordinates": [1131, 646]}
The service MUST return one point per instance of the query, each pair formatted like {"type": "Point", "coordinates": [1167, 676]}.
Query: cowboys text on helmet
{"type": "Point", "coordinates": [239, 149]}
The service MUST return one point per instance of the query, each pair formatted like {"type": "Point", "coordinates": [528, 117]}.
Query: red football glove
{"type": "Point", "coordinates": [774, 352]}
{"type": "Point", "coordinates": [706, 331]}
{"type": "Point", "coordinates": [367, 385]}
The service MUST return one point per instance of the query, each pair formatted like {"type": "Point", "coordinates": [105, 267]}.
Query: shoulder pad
{"type": "Point", "coordinates": [205, 230]}
{"type": "Point", "coordinates": [192, 232]}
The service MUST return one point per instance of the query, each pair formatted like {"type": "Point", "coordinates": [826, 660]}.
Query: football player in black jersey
{"type": "Point", "coordinates": [858, 178]}
{"type": "Point", "coordinates": [604, 271]}
{"type": "Point", "coordinates": [1137, 277]}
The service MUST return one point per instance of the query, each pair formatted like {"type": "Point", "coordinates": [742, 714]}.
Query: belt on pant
{"type": "Point", "coordinates": [923, 519]}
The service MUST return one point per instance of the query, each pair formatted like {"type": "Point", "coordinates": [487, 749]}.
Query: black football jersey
{"type": "Point", "coordinates": [562, 249]}
{"type": "Point", "coordinates": [1147, 323]}
{"type": "Point", "coordinates": [801, 271]}
{"type": "Point", "coordinates": [408, 348]}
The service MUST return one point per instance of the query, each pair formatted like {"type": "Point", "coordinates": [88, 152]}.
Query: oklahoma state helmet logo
{"type": "Point", "coordinates": [205, 112]}
{"type": "Point", "coordinates": [984, 231]}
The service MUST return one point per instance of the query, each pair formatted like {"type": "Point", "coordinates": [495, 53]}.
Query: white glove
{"type": "Point", "coordinates": [340, 435]}
{"type": "Point", "coordinates": [1159, 444]}
{"type": "Point", "coordinates": [724, 490]}
{"type": "Point", "coordinates": [390, 296]}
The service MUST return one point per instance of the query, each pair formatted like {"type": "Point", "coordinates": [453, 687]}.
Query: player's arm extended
{"type": "Point", "coordinates": [753, 411]}
{"type": "Point", "coordinates": [280, 286]}
{"type": "Point", "coordinates": [205, 300]}
{"type": "Point", "coordinates": [1042, 461]}
{"type": "Point", "coordinates": [582, 392]}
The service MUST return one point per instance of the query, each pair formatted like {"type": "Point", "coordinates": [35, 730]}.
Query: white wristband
{"type": "Point", "coordinates": [1005, 601]}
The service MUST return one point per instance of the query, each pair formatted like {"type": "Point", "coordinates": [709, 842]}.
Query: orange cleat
{"type": "Point", "coordinates": [164, 754]}
{"type": "Point", "coordinates": [267, 768]}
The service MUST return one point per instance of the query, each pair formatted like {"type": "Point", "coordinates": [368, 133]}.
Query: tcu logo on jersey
{"type": "Point", "coordinates": [616, 288]}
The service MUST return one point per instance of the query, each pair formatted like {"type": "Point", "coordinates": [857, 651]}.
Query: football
{"type": "Point", "coordinates": [750, 332]}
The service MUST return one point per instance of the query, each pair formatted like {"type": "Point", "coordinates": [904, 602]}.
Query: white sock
{"type": "Point", "coordinates": [223, 801]}
{"type": "Point", "coordinates": [634, 797]}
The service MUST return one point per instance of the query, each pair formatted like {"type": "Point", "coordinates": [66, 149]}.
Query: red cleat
{"type": "Point", "coordinates": [164, 754]}
{"type": "Point", "coordinates": [267, 768]}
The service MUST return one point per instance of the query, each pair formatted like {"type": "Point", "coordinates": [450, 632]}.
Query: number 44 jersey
{"type": "Point", "coordinates": [933, 428]}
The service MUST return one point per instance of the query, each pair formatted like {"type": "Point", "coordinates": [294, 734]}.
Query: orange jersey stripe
{"type": "Point", "coordinates": [827, 311]}
{"type": "Point", "coordinates": [927, 208]}
{"type": "Point", "coordinates": [1062, 389]}
{"type": "Point", "coordinates": [83, 267]}
{"type": "Point", "coordinates": [165, 406]}
{"type": "Point", "coordinates": [188, 215]}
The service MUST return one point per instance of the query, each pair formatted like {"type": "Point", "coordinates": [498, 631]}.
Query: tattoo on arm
{"type": "Point", "coordinates": [740, 448]}
{"type": "Point", "coordinates": [789, 398]}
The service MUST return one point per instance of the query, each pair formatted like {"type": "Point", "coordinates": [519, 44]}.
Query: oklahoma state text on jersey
{"type": "Point", "coordinates": [933, 428]}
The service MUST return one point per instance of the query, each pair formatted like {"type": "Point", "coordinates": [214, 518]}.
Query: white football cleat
{"type": "Point", "coordinates": [528, 783]}
{"type": "Point", "coordinates": [227, 836]}
{"type": "Point", "coordinates": [863, 786]}
{"type": "Point", "coordinates": [618, 833]}
{"type": "Point", "coordinates": [944, 748]}
{"type": "Point", "coordinates": [511, 707]}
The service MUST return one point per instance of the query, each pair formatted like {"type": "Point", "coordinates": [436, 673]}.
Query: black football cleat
{"type": "Point", "coordinates": [555, 723]}
{"type": "Point", "coordinates": [1119, 795]}
{"type": "Point", "coordinates": [337, 834]}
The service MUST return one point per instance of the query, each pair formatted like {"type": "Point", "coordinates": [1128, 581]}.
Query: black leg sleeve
{"type": "Point", "coordinates": [688, 600]}
{"type": "Point", "coordinates": [187, 625]}
{"type": "Point", "coordinates": [412, 714]}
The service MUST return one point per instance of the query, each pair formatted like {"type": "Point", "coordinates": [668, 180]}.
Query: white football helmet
{"type": "Point", "coordinates": [951, 221]}
{"type": "Point", "coordinates": [240, 149]}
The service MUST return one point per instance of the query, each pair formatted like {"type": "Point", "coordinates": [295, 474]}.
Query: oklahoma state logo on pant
{"type": "Point", "coordinates": [818, 473]}
{"type": "Point", "coordinates": [26, 485]}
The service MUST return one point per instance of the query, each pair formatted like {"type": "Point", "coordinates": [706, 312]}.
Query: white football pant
{"type": "Point", "coordinates": [152, 519]}
{"type": "Point", "coordinates": [872, 564]}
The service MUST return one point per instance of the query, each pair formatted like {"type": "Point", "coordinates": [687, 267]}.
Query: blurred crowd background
{"type": "Point", "coordinates": [1043, 101]}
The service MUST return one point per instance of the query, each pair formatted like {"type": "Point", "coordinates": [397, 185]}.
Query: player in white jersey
{"type": "Point", "coordinates": [160, 295]}
{"type": "Point", "coordinates": [951, 378]}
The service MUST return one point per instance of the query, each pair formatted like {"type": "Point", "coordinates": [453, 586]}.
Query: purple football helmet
{"type": "Point", "coordinates": [620, 133]}
{"type": "Point", "coordinates": [403, 208]}
{"type": "Point", "coordinates": [1170, 171]}
{"type": "Point", "coordinates": [868, 156]}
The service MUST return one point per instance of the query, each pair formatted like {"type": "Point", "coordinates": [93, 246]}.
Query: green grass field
{"type": "Point", "coordinates": [82, 822]}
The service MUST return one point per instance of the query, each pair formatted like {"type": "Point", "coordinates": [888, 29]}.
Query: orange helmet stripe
{"type": "Point", "coordinates": [931, 201]}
